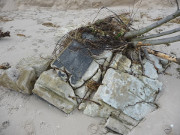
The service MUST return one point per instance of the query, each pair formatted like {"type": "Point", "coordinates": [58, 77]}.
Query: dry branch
{"type": "Point", "coordinates": [132, 34]}
{"type": "Point", "coordinates": [156, 42]}
{"type": "Point", "coordinates": [160, 34]}
{"type": "Point", "coordinates": [164, 56]}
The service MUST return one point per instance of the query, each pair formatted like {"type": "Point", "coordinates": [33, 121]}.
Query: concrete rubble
{"type": "Point", "coordinates": [53, 89]}
{"type": "Point", "coordinates": [20, 80]}
{"type": "Point", "coordinates": [101, 85]}
{"type": "Point", "coordinates": [22, 77]}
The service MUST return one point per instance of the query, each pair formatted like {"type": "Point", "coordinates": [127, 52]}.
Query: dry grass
{"type": "Point", "coordinates": [4, 19]}
{"type": "Point", "coordinates": [21, 35]}
{"type": "Point", "coordinates": [49, 24]}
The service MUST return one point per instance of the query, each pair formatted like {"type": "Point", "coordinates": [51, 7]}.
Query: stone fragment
{"type": "Point", "coordinates": [20, 80]}
{"type": "Point", "coordinates": [121, 90]}
{"type": "Point", "coordinates": [26, 80]}
{"type": "Point", "coordinates": [117, 126]}
{"type": "Point", "coordinates": [121, 62]}
{"type": "Point", "coordinates": [82, 106]}
{"type": "Point", "coordinates": [124, 64]}
{"type": "Point", "coordinates": [82, 92]}
{"type": "Point", "coordinates": [39, 64]}
{"type": "Point", "coordinates": [150, 71]}
{"type": "Point", "coordinates": [53, 89]}
{"type": "Point", "coordinates": [155, 85]}
{"type": "Point", "coordinates": [103, 110]}
{"type": "Point", "coordinates": [139, 110]}
{"type": "Point", "coordinates": [156, 63]}
{"type": "Point", "coordinates": [115, 61]}
{"type": "Point", "coordinates": [97, 76]}
{"type": "Point", "coordinates": [136, 69]}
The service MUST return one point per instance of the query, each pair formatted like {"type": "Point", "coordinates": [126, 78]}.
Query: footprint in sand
{"type": "Point", "coordinates": [93, 129]}
{"type": "Point", "coordinates": [4, 125]}
{"type": "Point", "coordinates": [29, 128]}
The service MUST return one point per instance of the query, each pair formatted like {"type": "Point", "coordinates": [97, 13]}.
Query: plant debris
{"type": "Point", "coordinates": [21, 35]}
{"type": "Point", "coordinates": [49, 24]}
{"type": "Point", "coordinates": [5, 65]}
{"type": "Point", "coordinates": [3, 19]}
{"type": "Point", "coordinates": [4, 34]}
{"type": "Point", "coordinates": [108, 34]}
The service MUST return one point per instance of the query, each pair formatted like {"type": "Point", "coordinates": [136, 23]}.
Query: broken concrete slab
{"type": "Point", "coordinates": [53, 89]}
{"type": "Point", "coordinates": [117, 126]}
{"type": "Point", "coordinates": [39, 64]}
{"type": "Point", "coordinates": [139, 110]}
{"type": "Point", "coordinates": [156, 62]}
{"type": "Point", "coordinates": [121, 90]}
{"type": "Point", "coordinates": [26, 80]}
{"type": "Point", "coordinates": [20, 80]}
{"type": "Point", "coordinates": [136, 69]}
{"type": "Point", "coordinates": [103, 110]}
{"type": "Point", "coordinates": [121, 62]}
{"type": "Point", "coordinates": [149, 70]}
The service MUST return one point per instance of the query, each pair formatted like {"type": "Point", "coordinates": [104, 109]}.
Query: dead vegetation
{"type": "Point", "coordinates": [4, 19]}
{"type": "Point", "coordinates": [5, 65]}
{"type": "Point", "coordinates": [49, 24]}
{"type": "Point", "coordinates": [4, 34]}
{"type": "Point", "coordinates": [21, 35]}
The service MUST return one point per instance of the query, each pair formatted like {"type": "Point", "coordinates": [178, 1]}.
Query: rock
{"type": "Point", "coordinates": [97, 76]}
{"type": "Point", "coordinates": [20, 80]}
{"type": "Point", "coordinates": [82, 92]}
{"type": "Point", "coordinates": [150, 71]}
{"type": "Point", "coordinates": [121, 90]}
{"type": "Point", "coordinates": [26, 80]}
{"type": "Point", "coordinates": [164, 62]}
{"type": "Point", "coordinates": [155, 85]}
{"type": "Point", "coordinates": [121, 62]}
{"type": "Point", "coordinates": [82, 106]}
{"type": "Point", "coordinates": [115, 61]}
{"type": "Point", "coordinates": [156, 63]}
{"type": "Point", "coordinates": [39, 64]}
{"type": "Point", "coordinates": [139, 110]}
{"type": "Point", "coordinates": [117, 126]}
{"type": "Point", "coordinates": [9, 77]}
{"type": "Point", "coordinates": [136, 69]}
{"type": "Point", "coordinates": [53, 89]}
{"type": "Point", "coordinates": [95, 110]}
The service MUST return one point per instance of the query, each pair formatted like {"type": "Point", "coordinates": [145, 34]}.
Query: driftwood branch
{"type": "Point", "coordinates": [160, 34]}
{"type": "Point", "coordinates": [132, 34]}
{"type": "Point", "coordinates": [177, 3]}
{"type": "Point", "coordinates": [164, 56]}
{"type": "Point", "coordinates": [156, 42]}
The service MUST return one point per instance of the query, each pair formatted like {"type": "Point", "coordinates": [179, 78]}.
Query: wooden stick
{"type": "Point", "coordinates": [164, 56]}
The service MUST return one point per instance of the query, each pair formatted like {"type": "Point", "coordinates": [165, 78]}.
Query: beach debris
{"type": "Point", "coordinates": [4, 34]}
{"type": "Point", "coordinates": [49, 24]}
{"type": "Point", "coordinates": [53, 89]}
{"type": "Point", "coordinates": [5, 65]}
{"type": "Point", "coordinates": [20, 80]}
{"type": "Point", "coordinates": [121, 125]}
{"type": "Point", "coordinates": [38, 63]}
{"type": "Point", "coordinates": [21, 35]}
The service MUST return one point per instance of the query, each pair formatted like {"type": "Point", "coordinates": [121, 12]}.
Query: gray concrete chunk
{"type": "Point", "coordinates": [53, 89]}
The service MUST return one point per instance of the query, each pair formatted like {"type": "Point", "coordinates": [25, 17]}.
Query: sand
{"type": "Point", "coordinates": [29, 115]}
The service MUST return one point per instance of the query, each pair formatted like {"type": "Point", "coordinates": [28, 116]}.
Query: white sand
{"type": "Point", "coordinates": [29, 115]}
